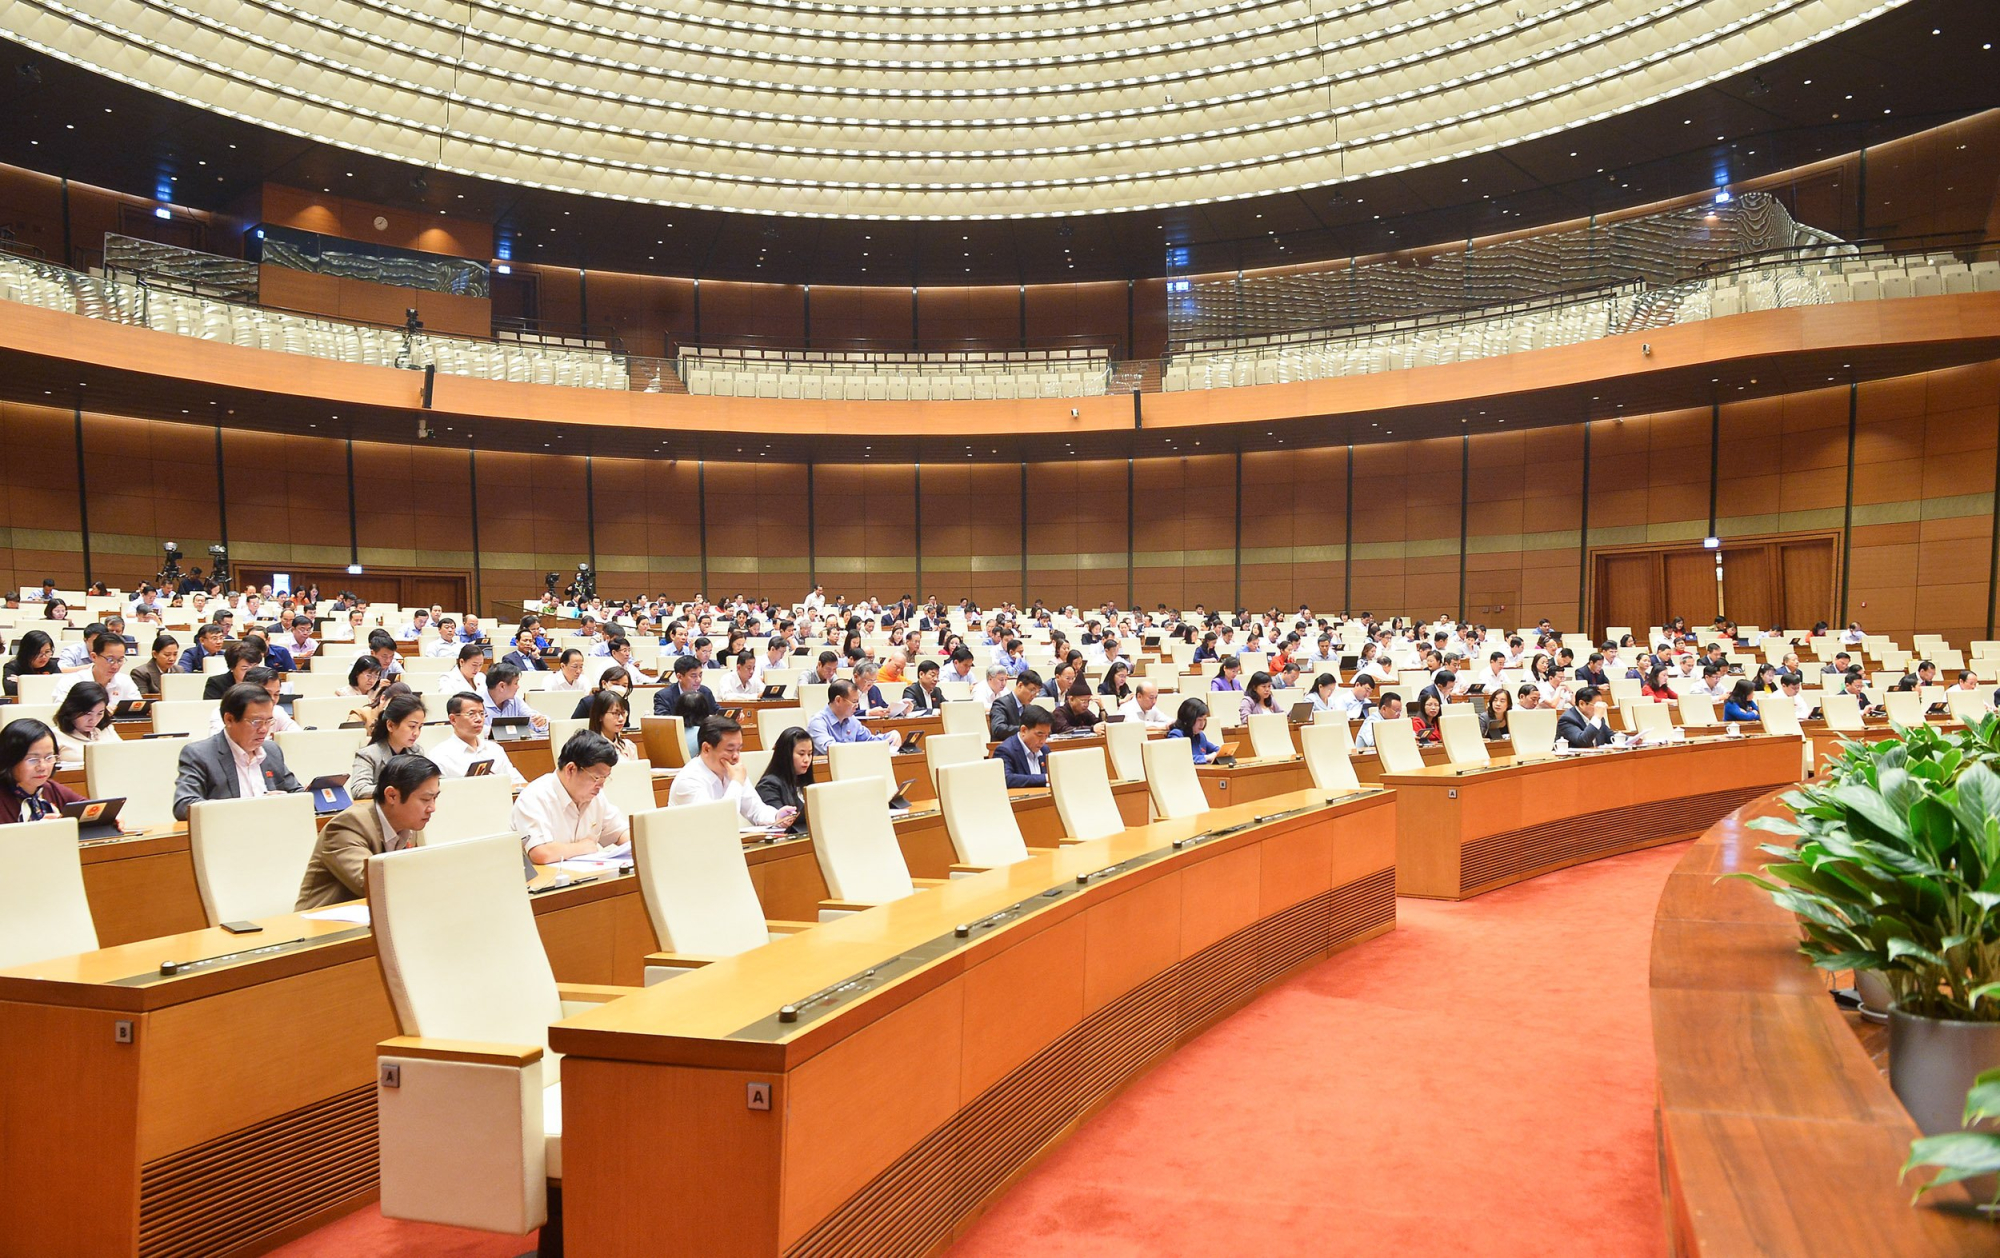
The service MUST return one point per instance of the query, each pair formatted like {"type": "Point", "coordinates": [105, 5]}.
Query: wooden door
{"type": "Point", "coordinates": [1806, 581]}
{"type": "Point", "coordinates": [1691, 590]}
{"type": "Point", "coordinates": [1628, 589]}
{"type": "Point", "coordinates": [1749, 593]}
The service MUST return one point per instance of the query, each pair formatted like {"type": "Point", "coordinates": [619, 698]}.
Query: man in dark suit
{"type": "Point", "coordinates": [1585, 725]}
{"type": "Point", "coordinates": [1027, 764]}
{"type": "Point", "coordinates": [406, 794]}
{"type": "Point", "coordinates": [1592, 672]}
{"type": "Point", "coordinates": [1005, 716]}
{"type": "Point", "coordinates": [237, 763]}
{"type": "Point", "coordinates": [524, 656]}
{"type": "Point", "coordinates": [1444, 685]}
{"type": "Point", "coordinates": [687, 680]}
{"type": "Point", "coordinates": [923, 693]}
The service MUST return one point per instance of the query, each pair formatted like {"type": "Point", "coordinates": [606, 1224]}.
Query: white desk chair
{"type": "Point", "coordinates": [1842, 712]}
{"type": "Point", "coordinates": [1081, 784]}
{"type": "Point", "coordinates": [562, 728]}
{"type": "Point", "coordinates": [944, 750]}
{"type": "Point", "coordinates": [143, 770]}
{"type": "Point", "coordinates": [1625, 688]}
{"type": "Point", "coordinates": [309, 685]}
{"type": "Point", "coordinates": [1905, 707]}
{"type": "Point", "coordinates": [1396, 744]}
{"type": "Point", "coordinates": [772, 722]}
{"type": "Point", "coordinates": [1326, 751]}
{"type": "Point", "coordinates": [1170, 777]}
{"type": "Point", "coordinates": [1122, 743]}
{"type": "Point", "coordinates": [630, 786]}
{"type": "Point", "coordinates": [1271, 736]}
{"type": "Point", "coordinates": [320, 712]}
{"type": "Point", "coordinates": [848, 761]}
{"type": "Point", "coordinates": [250, 855]}
{"type": "Point", "coordinates": [37, 687]}
{"type": "Point", "coordinates": [786, 677]}
{"type": "Point", "coordinates": [43, 712]}
{"type": "Point", "coordinates": [470, 808]}
{"type": "Point", "coordinates": [1698, 710]}
{"type": "Point", "coordinates": [855, 843]}
{"type": "Point", "coordinates": [468, 1098]}
{"type": "Point", "coordinates": [312, 753]}
{"type": "Point", "coordinates": [1967, 706]}
{"type": "Point", "coordinates": [1779, 715]}
{"type": "Point", "coordinates": [753, 763]}
{"type": "Point", "coordinates": [964, 718]}
{"type": "Point", "coordinates": [1334, 716]}
{"type": "Point", "coordinates": [552, 703]}
{"type": "Point", "coordinates": [44, 912]}
{"type": "Point", "coordinates": [183, 687]}
{"type": "Point", "coordinates": [1463, 744]}
{"type": "Point", "coordinates": [213, 664]}
{"type": "Point", "coordinates": [1654, 717]}
{"type": "Point", "coordinates": [696, 887]}
{"type": "Point", "coordinates": [978, 817]}
{"type": "Point", "coordinates": [434, 732]}
{"type": "Point", "coordinates": [956, 691]}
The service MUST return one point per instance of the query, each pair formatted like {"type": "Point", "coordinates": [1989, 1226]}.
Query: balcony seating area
{"type": "Point", "coordinates": [1426, 343]}
{"type": "Point", "coordinates": [205, 318]}
{"type": "Point", "coordinates": [895, 377]}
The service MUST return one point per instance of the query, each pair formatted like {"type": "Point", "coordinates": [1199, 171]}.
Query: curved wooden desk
{"type": "Point", "coordinates": [1778, 1135]}
{"type": "Point", "coordinates": [942, 1066]}
{"type": "Point", "coordinates": [1464, 831]}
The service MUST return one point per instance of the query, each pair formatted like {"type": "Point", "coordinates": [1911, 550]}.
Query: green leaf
{"type": "Point", "coordinates": [1973, 1152]}
{"type": "Point", "coordinates": [1874, 808]}
{"type": "Point", "coordinates": [1978, 994]}
{"type": "Point", "coordinates": [1900, 947]}
{"type": "Point", "coordinates": [1777, 825]}
{"type": "Point", "coordinates": [1983, 1101]}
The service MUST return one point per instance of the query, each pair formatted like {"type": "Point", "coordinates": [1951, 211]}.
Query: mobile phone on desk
{"type": "Point", "coordinates": [242, 928]}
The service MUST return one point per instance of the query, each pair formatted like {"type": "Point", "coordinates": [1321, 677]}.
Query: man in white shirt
{"type": "Point", "coordinates": [565, 813]}
{"type": "Point", "coordinates": [469, 744]}
{"type": "Point", "coordinates": [1495, 675]}
{"type": "Point", "coordinates": [302, 645]}
{"type": "Point", "coordinates": [1144, 705]}
{"type": "Point", "coordinates": [998, 682]}
{"type": "Point", "coordinates": [1391, 710]}
{"type": "Point", "coordinates": [447, 644]}
{"type": "Point", "coordinates": [962, 668]}
{"type": "Point", "coordinates": [621, 655]}
{"type": "Point", "coordinates": [1359, 699]}
{"type": "Point", "coordinates": [714, 774]}
{"type": "Point", "coordinates": [740, 682]}
{"type": "Point", "coordinates": [105, 666]}
{"type": "Point", "coordinates": [569, 671]}
{"type": "Point", "coordinates": [1793, 687]}
{"type": "Point", "coordinates": [776, 655]}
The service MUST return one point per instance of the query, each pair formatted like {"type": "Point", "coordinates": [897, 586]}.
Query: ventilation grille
{"type": "Point", "coordinates": [217, 1197]}
{"type": "Point", "coordinates": [1499, 858]}
{"type": "Point", "coordinates": [913, 1206]}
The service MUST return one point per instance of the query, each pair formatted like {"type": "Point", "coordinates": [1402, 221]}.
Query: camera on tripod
{"type": "Point", "coordinates": [170, 572]}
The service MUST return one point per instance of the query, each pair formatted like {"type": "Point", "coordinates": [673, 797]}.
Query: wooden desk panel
{"type": "Point", "coordinates": [1778, 1134]}
{"type": "Point", "coordinates": [1005, 1042]}
{"type": "Point", "coordinates": [1250, 780]}
{"type": "Point", "coordinates": [1463, 832]}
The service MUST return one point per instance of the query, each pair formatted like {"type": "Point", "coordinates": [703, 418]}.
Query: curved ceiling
{"type": "Point", "coordinates": [892, 111]}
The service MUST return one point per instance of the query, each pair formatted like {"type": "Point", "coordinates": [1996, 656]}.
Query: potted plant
{"type": "Point", "coordinates": [1895, 870]}
{"type": "Point", "coordinates": [1965, 1155]}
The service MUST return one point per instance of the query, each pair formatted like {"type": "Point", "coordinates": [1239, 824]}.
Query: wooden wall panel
{"type": "Point", "coordinates": [1294, 528]}
{"type": "Point", "coordinates": [855, 318]}
{"type": "Point", "coordinates": [1524, 507]}
{"type": "Point", "coordinates": [650, 313]}
{"type": "Point", "coordinates": [865, 528]}
{"type": "Point", "coordinates": [671, 506]}
{"type": "Point", "coordinates": [150, 482]}
{"type": "Point", "coordinates": [1085, 313]}
{"type": "Point", "coordinates": [1406, 508]}
{"type": "Point", "coordinates": [1184, 531]}
{"type": "Point", "coordinates": [750, 314]}
{"type": "Point", "coordinates": [355, 220]}
{"type": "Point", "coordinates": [972, 531]}
{"type": "Point", "coordinates": [1923, 502]}
{"type": "Point", "coordinates": [973, 317]}
{"type": "Point", "coordinates": [287, 499]}
{"type": "Point", "coordinates": [45, 538]}
{"type": "Point", "coordinates": [756, 529]}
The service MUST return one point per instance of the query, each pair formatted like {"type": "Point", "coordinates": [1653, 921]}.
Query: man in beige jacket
{"type": "Point", "coordinates": [406, 795]}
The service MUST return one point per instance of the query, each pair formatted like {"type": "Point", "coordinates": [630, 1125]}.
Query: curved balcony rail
{"type": "Point", "coordinates": [1815, 275]}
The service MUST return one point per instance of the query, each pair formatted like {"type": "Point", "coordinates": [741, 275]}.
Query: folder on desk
{"type": "Point", "coordinates": [329, 793]}
{"type": "Point", "coordinates": [95, 818]}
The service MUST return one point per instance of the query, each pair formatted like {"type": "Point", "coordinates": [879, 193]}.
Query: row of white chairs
{"type": "Point", "coordinates": [706, 377]}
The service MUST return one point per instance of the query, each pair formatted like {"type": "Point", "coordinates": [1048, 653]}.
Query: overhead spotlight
{"type": "Point", "coordinates": [419, 184]}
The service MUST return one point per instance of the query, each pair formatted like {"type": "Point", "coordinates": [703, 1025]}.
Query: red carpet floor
{"type": "Point", "coordinates": [1478, 1082]}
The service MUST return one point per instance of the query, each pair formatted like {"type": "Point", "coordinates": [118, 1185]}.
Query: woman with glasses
{"type": "Point", "coordinates": [28, 761]}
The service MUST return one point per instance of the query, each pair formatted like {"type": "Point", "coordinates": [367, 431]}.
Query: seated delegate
{"type": "Point", "coordinates": [239, 763]}
{"type": "Point", "coordinates": [405, 797]}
